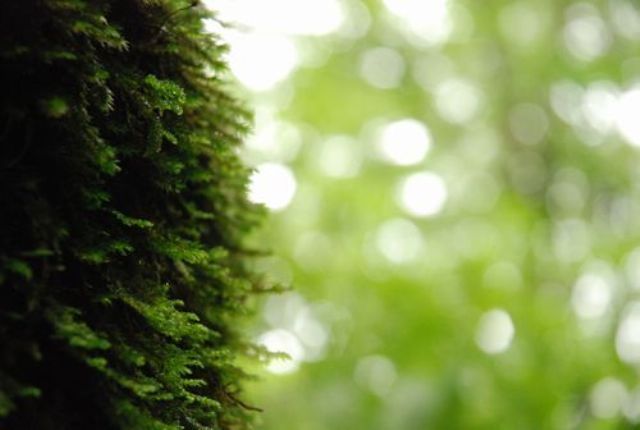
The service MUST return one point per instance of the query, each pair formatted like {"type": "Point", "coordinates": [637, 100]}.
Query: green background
{"type": "Point", "coordinates": [390, 311]}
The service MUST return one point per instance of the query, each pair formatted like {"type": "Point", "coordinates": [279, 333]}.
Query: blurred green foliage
{"type": "Point", "coordinates": [514, 305]}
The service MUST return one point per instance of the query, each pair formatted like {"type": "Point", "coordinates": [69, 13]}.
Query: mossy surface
{"type": "Point", "coordinates": [124, 217]}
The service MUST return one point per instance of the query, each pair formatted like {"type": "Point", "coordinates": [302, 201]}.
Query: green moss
{"type": "Point", "coordinates": [123, 210]}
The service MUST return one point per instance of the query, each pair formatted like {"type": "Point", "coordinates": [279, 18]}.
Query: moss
{"type": "Point", "coordinates": [123, 210]}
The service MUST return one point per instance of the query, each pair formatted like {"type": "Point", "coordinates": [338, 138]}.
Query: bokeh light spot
{"type": "Point", "coordinates": [382, 67]}
{"type": "Point", "coordinates": [628, 334]}
{"type": "Point", "coordinates": [312, 333]}
{"type": "Point", "coordinates": [404, 142]}
{"type": "Point", "coordinates": [600, 105]}
{"type": "Point", "coordinates": [495, 331]}
{"type": "Point", "coordinates": [607, 398]}
{"type": "Point", "coordinates": [311, 17]}
{"type": "Point", "coordinates": [261, 61]}
{"type": "Point", "coordinates": [425, 22]}
{"type": "Point", "coordinates": [339, 157]}
{"type": "Point", "coordinates": [457, 100]}
{"type": "Point", "coordinates": [627, 116]}
{"type": "Point", "coordinates": [422, 194]}
{"type": "Point", "coordinates": [273, 185]}
{"type": "Point", "coordinates": [591, 296]}
{"type": "Point", "coordinates": [399, 240]}
{"type": "Point", "coordinates": [280, 340]}
{"type": "Point", "coordinates": [586, 35]}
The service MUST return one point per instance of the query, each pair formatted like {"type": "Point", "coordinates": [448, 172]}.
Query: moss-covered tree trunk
{"type": "Point", "coordinates": [123, 211]}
